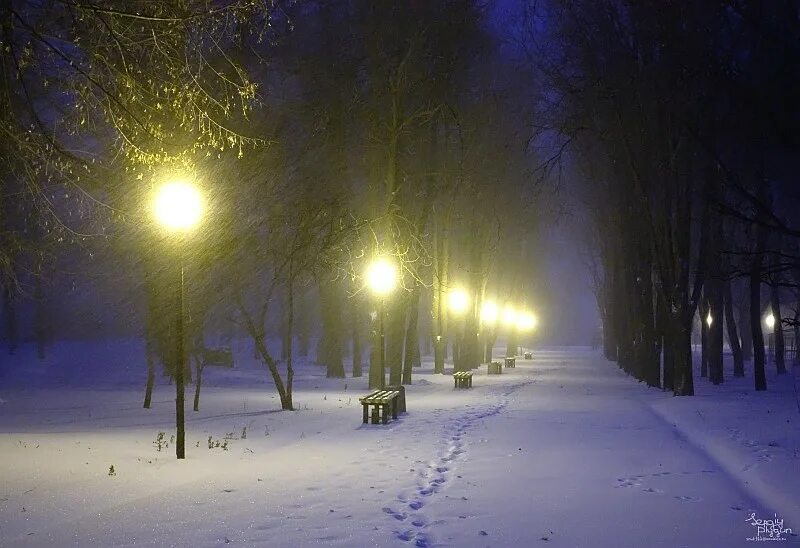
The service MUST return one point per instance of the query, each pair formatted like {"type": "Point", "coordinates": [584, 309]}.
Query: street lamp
{"type": "Point", "coordinates": [770, 321]}
{"type": "Point", "coordinates": [709, 319]}
{"type": "Point", "coordinates": [509, 319]}
{"type": "Point", "coordinates": [178, 207]}
{"type": "Point", "coordinates": [459, 301]}
{"type": "Point", "coordinates": [509, 316]}
{"type": "Point", "coordinates": [526, 322]}
{"type": "Point", "coordinates": [381, 279]}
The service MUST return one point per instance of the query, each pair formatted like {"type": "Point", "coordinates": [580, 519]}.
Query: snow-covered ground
{"type": "Point", "coordinates": [563, 450]}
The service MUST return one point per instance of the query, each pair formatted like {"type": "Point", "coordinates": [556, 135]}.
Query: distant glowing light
{"type": "Point", "coordinates": [458, 300]}
{"type": "Point", "coordinates": [509, 316]}
{"type": "Point", "coordinates": [527, 321]}
{"type": "Point", "coordinates": [709, 320]}
{"type": "Point", "coordinates": [489, 313]}
{"type": "Point", "coordinates": [381, 276]}
{"type": "Point", "coordinates": [770, 321]}
{"type": "Point", "coordinates": [178, 206]}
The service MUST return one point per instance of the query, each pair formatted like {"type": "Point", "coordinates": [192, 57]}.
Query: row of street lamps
{"type": "Point", "coordinates": [178, 207]}
{"type": "Point", "coordinates": [381, 278]}
{"type": "Point", "coordinates": [769, 321]}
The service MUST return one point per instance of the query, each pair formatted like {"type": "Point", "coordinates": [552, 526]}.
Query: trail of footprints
{"type": "Point", "coordinates": [438, 472]}
{"type": "Point", "coordinates": [639, 482]}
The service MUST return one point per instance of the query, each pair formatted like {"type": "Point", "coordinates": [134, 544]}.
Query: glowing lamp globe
{"type": "Point", "coordinates": [459, 300]}
{"type": "Point", "coordinates": [509, 316]}
{"type": "Point", "coordinates": [709, 320]}
{"type": "Point", "coordinates": [178, 206]}
{"type": "Point", "coordinates": [489, 313]}
{"type": "Point", "coordinates": [382, 276]}
{"type": "Point", "coordinates": [526, 322]}
{"type": "Point", "coordinates": [770, 321]}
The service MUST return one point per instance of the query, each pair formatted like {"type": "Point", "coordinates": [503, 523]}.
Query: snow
{"type": "Point", "coordinates": [563, 450]}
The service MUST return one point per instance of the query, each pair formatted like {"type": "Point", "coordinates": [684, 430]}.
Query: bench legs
{"type": "Point", "coordinates": [380, 412]}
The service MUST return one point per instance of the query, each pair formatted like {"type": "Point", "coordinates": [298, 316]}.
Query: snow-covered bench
{"type": "Point", "coordinates": [528, 355]}
{"type": "Point", "coordinates": [495, 368]}
{"type": "Point", "coordinates": [463, 379]}
{"type": "Point", "coordinates": [383, 402]}
{"type": "Point", "coordinates": [511, 361]}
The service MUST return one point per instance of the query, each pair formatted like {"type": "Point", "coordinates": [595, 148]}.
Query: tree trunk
{"type": "Point", "coordinates": [780, 356]}
{"type": "Point", "coordinates": [331, 347]}
{"type": "Point", "coordinates": [355, 312]}
{"type": "Point", "coordinates": [681, 343]}
{"type": "Point", "coordinates": [411, 354]}
{"type": "Point", "coordinates": [733, 337]}
{"type": "Point", "coordinates": [759, 359]}
{"type": "Point", "coordinates": [715, 330]}
{"type": "Point", "coordinates": [283, 331]}
{"type": "Point", "coordinates": [702, 311]}
{"type": "Point", "coordinates": [198, 367]}
{"type": "Point", "coordinates": [303, 325]}
{"type": "Point", "coordinates": [151, 373]}
{"type": "Point", "coordinates": [286, 401]}
{"type": "Point", "coordinates": [745, 329]}
{"type": "Point", "coordinates": [395, 338]}
{"type": "Point", "coordinates": [439, 305]}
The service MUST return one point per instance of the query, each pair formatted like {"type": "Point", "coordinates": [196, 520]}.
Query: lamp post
{"type": "Point", "coordinates": [381, 278]}
{"type": "Point", "coordinates": [510, 322]}
{"type": "Point", "coordinates": [770, 321]}
{"type": "Point", "coordinates": [178, 207]}
{"type": "Point", "coordinates": [488, 322]}
{"type": "Point", "coordinates": [526, 322]}
{"type": "Point", "coordinates": [458, 301]}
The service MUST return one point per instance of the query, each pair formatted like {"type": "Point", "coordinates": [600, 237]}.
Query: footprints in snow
{"type": "Point", "coordinates": [638, 481]}
{"type": "Point", "coordinates": [762, 453]}
{"type": "Point", "coordinates": [433, 477]}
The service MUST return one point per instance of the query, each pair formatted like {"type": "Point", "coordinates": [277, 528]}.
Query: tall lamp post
{"type": "Point", "coordinates": [526, 322]}
{"type": "Point", "coordinates": [178, 207]}
{"type": "Point", "coordinates": [770, 321]}
{"type": "Point", "coordinates": [458, 301]}
{"type": "Point", "coordinates": [381, 279]}
{"type": "Point", "coordinates": [510, 321]}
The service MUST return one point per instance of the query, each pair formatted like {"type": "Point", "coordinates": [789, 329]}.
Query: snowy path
{"type": "Point", "coordinates": [564, 451]}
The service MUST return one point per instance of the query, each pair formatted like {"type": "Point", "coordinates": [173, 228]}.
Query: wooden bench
{"type": "Point", "coordinates": [383, 402]}
{"type": "Point", "coordinates": [511, 362]}
{"type": "Point", "coordinates": [528, 355]}
{"type": "Point", "coordinates": [495, 368]}
{"type": "Point", "coordinates": [463, 379]}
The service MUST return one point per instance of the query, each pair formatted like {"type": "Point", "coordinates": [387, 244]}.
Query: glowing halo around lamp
{"type": "Point", "coordinates": [458, 300]}
{"type": "Point", "coordinates": [382, 276]}
{"type": "Point", "coordinates": [509, 316]}
{"type": "Point", "coordinates": [709, 320]}
{"type": "Point", "coordinates": [770, 321]}
{"type": "Point", "coordinates": [526, 322]}
{"type": "Point", "coordinates": [178, 206]}
{"type": "Point", "coordinates": [489, 313]}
